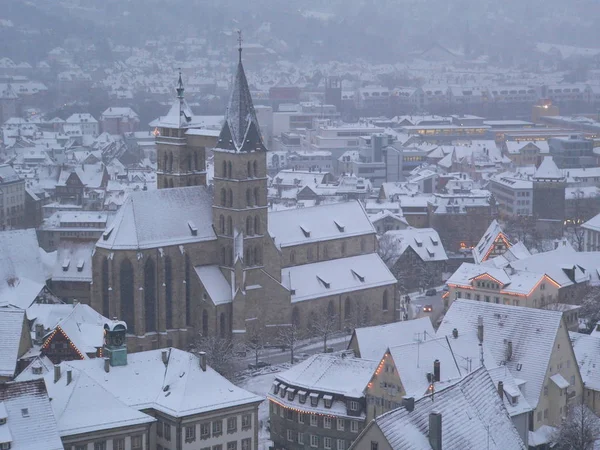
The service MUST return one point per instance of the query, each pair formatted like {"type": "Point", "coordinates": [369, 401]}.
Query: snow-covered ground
{"type": "Point", "coordinates": [259, 383]}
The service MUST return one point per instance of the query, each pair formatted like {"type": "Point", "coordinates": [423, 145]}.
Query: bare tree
{"type": "Point", "coordinates": [324, 323]}
{"type": "Point", "coordinates": [256, 337]}
{"type": "Point", "coordinates": [219, 353]}
{"type": "Point", "coordinates": [289, 337]}
{"type": "Point", "coordinates": [523, 229]}
{"type": "Point", "coordinates": [388, 248]}
{"type": "Point", "coordinates": [579, 431]}
{"type": "Point", "coordinates": [590, 307]}
{"type": "Point", "coordinates": [579, 210]}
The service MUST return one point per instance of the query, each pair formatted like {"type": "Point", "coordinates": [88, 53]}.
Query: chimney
{"type": "Point", "coordinates": [435, 431]}
{"type": "Point", "coordinates": [69, 376]}
{"type": "Point", "coordinates": [436, 370]}
{"type": "Point", "coordinates": [480, 329]}
{"type": "Point", "coordinates": [409, 403]}
{"type": "Point", "coordinates": [107, 365]}
{"type": "Point", "coordinates": [165, 357]}
{"type": "Point", "coordinates": [509, 350]}
{"type": "Point", "coordinates": [501, 390]}
{"type": "Point", "coordinates": [56, 373]}
{"type": "Point", "coordinates": [202, 357]}
{"type": "Point", "coordinates": [455, 333]}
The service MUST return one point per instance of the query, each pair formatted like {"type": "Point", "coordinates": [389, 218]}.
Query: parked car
{"type": "Point", "coordinates": [430, 292]}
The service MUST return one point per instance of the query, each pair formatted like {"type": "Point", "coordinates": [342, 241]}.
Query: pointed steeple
{"type": "Point", "coordinates": [180, 88]}
{"type": "Point", "coordinates": [240, 132]}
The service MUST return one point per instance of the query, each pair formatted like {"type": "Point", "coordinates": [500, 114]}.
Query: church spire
{"type": "Point", "coordinates": [240, 132]}
{"type": "Point", "coordinates": [180, 88]}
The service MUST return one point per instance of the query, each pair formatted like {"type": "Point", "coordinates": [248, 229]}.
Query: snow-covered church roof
{"type": "Point", "coordinates": [150, 219]}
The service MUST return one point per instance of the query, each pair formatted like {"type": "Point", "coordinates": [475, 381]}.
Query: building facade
{"type": "Point", "coordinates": [12, 199]}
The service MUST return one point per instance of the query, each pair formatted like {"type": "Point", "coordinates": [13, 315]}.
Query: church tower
{"type": "Point", "coordinates": [180, 162]}
{"type": "Point", "coordinates": [240, 200]}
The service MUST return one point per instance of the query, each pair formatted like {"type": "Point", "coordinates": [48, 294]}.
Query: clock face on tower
{"type": "Point", "coordinates": [117, 339]}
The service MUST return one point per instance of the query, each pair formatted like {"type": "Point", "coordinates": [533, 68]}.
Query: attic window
{"type": "Point", "coordinates": [65, 265]}
{"type": "Point", "coordinates": [339, 226]}
{"type": "Point", "coordinates": [419, 242]}
{"type": "Point", "coordinates": [25, 412]}
{"type": "Point", "coordinates": [314, 399]}
{"type": "Point", "coordinates": [434, 241]}
{"type": "Point", "coordinates": [360, 277]}
{"type": "Point", "coordinates": [36, 370]}
{"type": "Point", "coordinates": [193, 228]}
{"type": "Point", "coordinates": [323, 282]}
{"type": "Point", "coordinates": [80, 264]}
{"type": "Point", "coordinates": [430, 252]}
{"type": "Point", "coordinates": [305, 231]}
{"type": "Point", "coordinates": [302, 396]}
{"type": "Point", "coordinates": [328, 400]}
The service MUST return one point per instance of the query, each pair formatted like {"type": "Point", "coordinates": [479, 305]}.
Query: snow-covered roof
{"type": "Point", "coordinates": [11, 329]}
{"type": "Point", "coordinates": [548, 170]}
{"type": "Point", "coordinates": [373, 341]}
{"type": "Point", "coordinates": [8, 174]}
{"type": "Point", "coordinates": [485, 245]}
{"type": "Point", "coordinates": [161, 217]}
{"type": "Point", "coordinates": [30, 422]}
{"type": "Point", "coordinates": [91, 175]}
{"type": "Point", "coordinates": [425, 242]}
{"type": "Point", "coordinates": [38, 367]}
{"type": "Point", "coordinates": [337, 276]}
{"type": "Point", "coordinates": [73, 261]}
{"type": "Point", "coordinates": [23, 272]}
{"type": "Point", "coordinates": [532, 333]}
{"type": "Point", "coordinates": [71, 405]}
{"type": "Point", "coordinates": [334, 374]}
{"type": "Point", "coordinates": [587, 353]}
{"type": "Point", "coordinates": [467, 409]}
{"type": "Point", "coordinates": [415, 360]}
{"type": "Point", "coordinates": [116, 112]}
{"type": "Point", "coordinates": [515, 147]}
{"type": "Point", "coordinates": [81, 118]}
{"type": "Point", "coordinates": [215, 283]}
{"type": "Point", "coordinates": [179, 388]}
{"type": "Point", "coordinates": [319, 223]}
{"type": "Point", "coordinates": [593, 223]}
{"type": "Point", "coordinates": [513, 398]}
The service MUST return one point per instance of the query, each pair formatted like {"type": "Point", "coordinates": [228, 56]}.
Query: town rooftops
{"type": "Point", "coordinates": [372, 342]}
{"type": "Point", "coordinates": [161, 217]}
{"type": "Point", "coordinates": [334, 374]}
{"type": "Point", "coordinates": [532, 333]}
{"type": "Point", "coordinates": [486, 244]}
{"type": "Point", "coordinates": [336, 277]}
{"type": "Point", "coordinates": [548, 170]}
{"type": "Point", "coordinates": [319, 223]}
{"type": "Point", "coordinates": [178, 387]}
{"type": "Point", "coordinates": [30, 423]}
{"type": "Point", "coordinates": [467, 409]}
{"type": "Point", "coordinates": [12, 321]}
{"type": "Point", "coordinates": [8, 174]}
{"type": "Point", "coordinates": [587, 353]}
{"type": "Point", "coordinates": [425, 242]}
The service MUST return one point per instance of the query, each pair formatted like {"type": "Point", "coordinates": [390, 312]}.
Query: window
{"type": "Point", "coordinates": [384, 306]}
{"type": "Point", "coordinates": [101, 445]}
{"type": "Point", "coordinates": [327, 442]}
{"type": "Point", "coordinates": [290, 435]}
{"type": "Point", "coordinates": [190, 434]}
{"type": "Point", "coordinates": [217, 447]}
{"type": "Point", "coordinates": [246, 443]}
{"type": "Point", "coordinates": [289, 414]}
{"type": "Point", "coordinates": [118, 444]}
{"type": "Point", "coordinates": [539, 416]}
{"type": "Point", "coordinates": [159, 428]}
{"type": "Point", "coordinates": [217, 428]}
{"type": "Point", "coordinates": [354, 426]}
{"type": "Point", "coordinates": [354, 405]}
{"type": "Point", "coordinates": [246, 421]}
{"type": "Point", "coordinates": [232, 424]}
{"type": "Point", "coordinates": [232, 445]}
{"type": "Point", "coordinates": [314, 420]}
{"type": "Point", "coordinates": [327, 422]}
{"type": "Point", "coordinates": [341, 444]}
{"type": "Point", "coordinates": [204, 431]}
{"type": "Point", "coordinates": [167, 432]}
{"type": "Point", "coordinates": [136, 442]}
{"type": "Point", "coordinates": [340, 424]}
{"type": "Point", "coordinates": [327, 401]}
{"type": "Point", "coordinates": [374, 445]}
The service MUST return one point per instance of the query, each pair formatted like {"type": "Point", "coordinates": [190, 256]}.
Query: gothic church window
{"type": "Point", "coordinates": [169, 291]}
{"type": "Point", "coordinates": [221, 224]}
{"type": "Point", "coordinates": [256, 225]}
{"type": "Point", "coordinates": [105, 289]}
{"type": "Point", "coordinates": [223, 197]}
{"type": "Point", "coordinates": [229, 171]}
{"type": "Point", "coordinates": [249, 226]}
{"type": "Point", "coordinates": [384, 305]}
{"type": "Point", "coordinates": [150, 294]}
{"type": "Point", "coordinates": [229, 226]}
{"type": "Point", "coordinates": [188, 294]}
{"type": "Point", "coordinates": [249, 198]}
{"type": "Point", "coordinates": [254, 168]}
{"type": "Point", "coordinates": [230, 199]}
{"type": "Point", "coordinates": [256, 196]}
{"type": "Point", "coordinates": [224, 174]}
{"type": "Point", "coordinates": [126, 281]}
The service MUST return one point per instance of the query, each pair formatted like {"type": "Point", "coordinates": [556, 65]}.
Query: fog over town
{"type": "Point", "coordinates": [269, 225]}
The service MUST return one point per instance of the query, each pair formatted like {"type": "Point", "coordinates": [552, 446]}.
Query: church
{"type": "Point", "coordinates": [190, 260]}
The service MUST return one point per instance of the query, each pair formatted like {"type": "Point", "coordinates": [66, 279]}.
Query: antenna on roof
{"type": "Point", "coordinates": [180, 86]}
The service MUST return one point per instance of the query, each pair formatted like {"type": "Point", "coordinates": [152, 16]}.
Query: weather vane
{"type": "Point", "coordinates": [239, 32]}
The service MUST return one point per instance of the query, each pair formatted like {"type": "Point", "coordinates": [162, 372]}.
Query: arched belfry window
{"type": "Point", "coordinates": [169, 291]}
{"type": "Point", "coordinates": [105, 289]}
